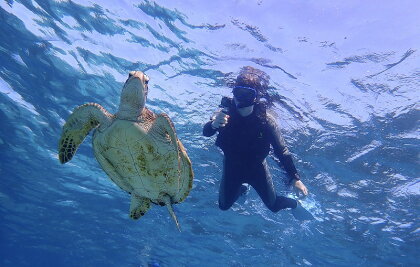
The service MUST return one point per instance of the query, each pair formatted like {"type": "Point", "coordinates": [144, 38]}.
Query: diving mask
{"type": "Point", "coordinates": [244, 96]}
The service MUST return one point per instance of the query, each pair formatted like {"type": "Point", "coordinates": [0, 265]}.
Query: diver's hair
{"type": "Point", "coordinates": [254, 78]}
{"type": "Point", "coordinates": [259, 80]}
{"type": "Point", "coordinates": [250, 77]}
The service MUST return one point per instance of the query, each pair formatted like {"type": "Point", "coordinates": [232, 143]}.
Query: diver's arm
{"type": "Point", "coordinates": [283, 154]}
{"type": "Point", "coordinates": [208, 130]}
{"type": "Point", "coordinates": [280, 149]}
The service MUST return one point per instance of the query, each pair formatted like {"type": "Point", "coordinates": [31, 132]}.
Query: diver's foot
{"type": "Point", "coordinates": [300, 213]}
{"type": "Point", "coordinates": [244, 190]}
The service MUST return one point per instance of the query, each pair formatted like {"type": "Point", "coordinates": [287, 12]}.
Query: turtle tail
{"type": "Point", "coordinates": [168, 204]}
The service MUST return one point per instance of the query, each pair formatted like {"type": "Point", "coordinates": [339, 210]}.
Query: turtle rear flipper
{"type": "Point", "coordinates": [138, 206]}
{"type": "Point", "coordinates": [83, 119]}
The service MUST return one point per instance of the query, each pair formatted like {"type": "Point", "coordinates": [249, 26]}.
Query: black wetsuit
{"type": "Point", "coordinates": [245, 142]}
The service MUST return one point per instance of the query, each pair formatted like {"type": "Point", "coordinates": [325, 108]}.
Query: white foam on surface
{"type": "Point", "coordinates": [364, 150]}
{"type": "Point", "coordinates": [16, 97]}
{"type": "Point", "coordinates": [411, 188]}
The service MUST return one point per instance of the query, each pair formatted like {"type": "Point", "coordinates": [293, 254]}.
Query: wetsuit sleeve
{"type": "Point", "coordinates": [280, 149]}
{"type": "Point", "coordinates": [208, 130]}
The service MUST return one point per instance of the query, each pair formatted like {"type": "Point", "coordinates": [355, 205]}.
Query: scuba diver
{"type": "Point", "coordinates": [245, 133]}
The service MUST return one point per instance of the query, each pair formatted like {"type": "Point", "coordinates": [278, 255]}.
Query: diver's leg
{"type": "Point", "coordinates": [263, 184]}
{"type": "Point", "coordinates": [230, 185]}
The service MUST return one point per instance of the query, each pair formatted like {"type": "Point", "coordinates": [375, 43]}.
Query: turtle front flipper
{"type": "Point", "coordinates": [138, 206]}
{"type": "Point", "coordinates": [187, 176]}
{"type": "Point", "coordinates": [83, 119]}
{"type": "Point", "coordinates": [164, 127]}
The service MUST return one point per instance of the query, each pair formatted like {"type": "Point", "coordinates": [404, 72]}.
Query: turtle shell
{"type": "Point", "coordinates": [145, 158]}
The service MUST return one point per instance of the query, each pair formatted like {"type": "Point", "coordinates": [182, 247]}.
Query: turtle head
{"type": "Point", "coordinates": [133, 96]}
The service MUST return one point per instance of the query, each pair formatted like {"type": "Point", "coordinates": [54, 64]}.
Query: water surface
{"type": "Point", "coordinates": [345, 80]}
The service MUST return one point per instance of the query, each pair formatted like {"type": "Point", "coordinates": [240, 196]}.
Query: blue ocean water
{"type": "Point", "coordinates": [345, 78]}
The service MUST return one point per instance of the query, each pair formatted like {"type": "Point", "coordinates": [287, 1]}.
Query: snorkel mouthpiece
{"type": "Point", "coordinates": [244, 104]}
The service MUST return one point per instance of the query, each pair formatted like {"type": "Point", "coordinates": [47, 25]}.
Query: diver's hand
{"type": "Point", "coordinates": [300, 186]}
{"type": "Point", "coordinates": [220, 120]}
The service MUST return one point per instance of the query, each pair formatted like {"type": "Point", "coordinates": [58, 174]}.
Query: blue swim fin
{"type": "Point", "coordinates": [301, 214]}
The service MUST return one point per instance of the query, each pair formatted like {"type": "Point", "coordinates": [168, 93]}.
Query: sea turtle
{"type": "Point", "coordinates": [138, 149]}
